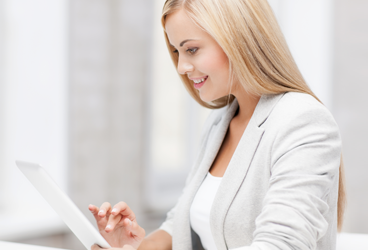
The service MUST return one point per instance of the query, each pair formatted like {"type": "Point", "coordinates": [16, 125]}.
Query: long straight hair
{"type": "Point", "coordinates": [259, 58]}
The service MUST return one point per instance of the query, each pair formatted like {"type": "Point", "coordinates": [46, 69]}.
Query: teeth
{"type": "Point", "coordinates": [199, 81]}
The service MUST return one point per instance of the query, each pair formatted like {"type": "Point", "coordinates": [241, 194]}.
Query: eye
{"type": "Point", "coordinates": [192, 51]}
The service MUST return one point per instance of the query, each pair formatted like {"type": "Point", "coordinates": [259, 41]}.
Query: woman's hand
{"type": "Point", "coordinates": [126, 247]}
{"type": "Point", "coordinates": [118, 225]}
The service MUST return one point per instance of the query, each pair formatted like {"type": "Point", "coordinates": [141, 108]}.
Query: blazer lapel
{"type": "Point", "coordinates": [182, 229]}
{"type": "Point", "coordinates": [238, 167]}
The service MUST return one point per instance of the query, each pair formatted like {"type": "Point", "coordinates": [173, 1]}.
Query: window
{"type": "Point", "coordinates": [175, 122]}
{"type": "Point", "coordinates": [33, 108]}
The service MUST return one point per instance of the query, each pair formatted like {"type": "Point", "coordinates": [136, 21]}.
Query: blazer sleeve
{"type": "Point", "coordinates": [168, 224]}
{"type": "Point", "coordinates": [305, 162]}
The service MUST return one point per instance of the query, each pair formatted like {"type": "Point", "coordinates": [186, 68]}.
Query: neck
{"type": "Point", "coordinates": [247, 104]}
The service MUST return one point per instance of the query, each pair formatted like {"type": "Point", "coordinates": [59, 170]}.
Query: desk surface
{"type": "Point", "coordinates": [17, 246]}
{"type": "Point", "coordinates": [345, 241]}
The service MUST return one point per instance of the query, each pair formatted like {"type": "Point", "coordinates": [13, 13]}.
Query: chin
{"type": "Point", "coordinates": [205, 98]}
{"type": "Point", "coordinates": [208, 98]}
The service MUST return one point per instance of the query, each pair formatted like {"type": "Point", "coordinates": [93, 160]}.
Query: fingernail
{"type": "Point", "coordinates": [114, 210]}
{"type": "Point", "coordinates": [101, 212]}
{"type": "Point", "coordinates": [130, 222]}
{"type": "Point", "coordinates": [108, 226]}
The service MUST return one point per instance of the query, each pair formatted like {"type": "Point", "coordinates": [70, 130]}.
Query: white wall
{"type": "Point", "coordinates": [350, 105]}
{"type": "Point", "coordinates": [308, 29]}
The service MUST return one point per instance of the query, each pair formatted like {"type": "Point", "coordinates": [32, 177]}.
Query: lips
{"type": "Point", "coordinates": [197, 78]}
{"type": "Point", "coordinates": [199, 85]}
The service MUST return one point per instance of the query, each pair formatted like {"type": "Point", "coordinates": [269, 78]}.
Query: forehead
{"type": "Point", "coordinates": [179, 27]}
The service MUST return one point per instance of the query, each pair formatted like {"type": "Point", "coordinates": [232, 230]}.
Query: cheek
{"type": "Point", "coordinates": [216, 64]}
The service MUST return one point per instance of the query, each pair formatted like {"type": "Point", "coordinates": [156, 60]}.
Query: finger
{"type": "Point", "coordinates": [137, 230]}
{"type": "Point", "coordinates": [101, 222]}
{"type": "Point", "coordinates": [104, 209]}
{"type": "Point", "coordinates": [123, 209]}
{"type": "Point", "coordinates": [113, 221]}
{"type": "Point", "coordinates": [134, 228]}
{"type": "Point", "coordinates": [95, 247]}
{"type": "Point", "coordinates": [94, 210]}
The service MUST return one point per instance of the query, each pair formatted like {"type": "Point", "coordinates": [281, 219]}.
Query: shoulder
{"type": "Point", "coordinates": [301, 121]}
{"type": "Point", "coordinates": [300, 108]}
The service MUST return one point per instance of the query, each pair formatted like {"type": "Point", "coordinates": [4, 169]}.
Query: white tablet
{"type": "Point", "coordinates": [63, 205]}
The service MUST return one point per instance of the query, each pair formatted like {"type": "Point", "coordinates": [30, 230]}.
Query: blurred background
{"type": "Point", "coordinates": [87, 89]}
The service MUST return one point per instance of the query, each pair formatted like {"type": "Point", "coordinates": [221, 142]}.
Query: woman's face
{"type": "Point", "coordinates": [200, 57]}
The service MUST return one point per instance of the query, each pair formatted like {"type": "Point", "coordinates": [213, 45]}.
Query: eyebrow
{"type": "Point", "coordinates": [186, 40]}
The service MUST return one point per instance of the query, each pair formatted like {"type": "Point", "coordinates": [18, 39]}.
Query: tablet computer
{"type": "Point", "coordinates": [63, 205]}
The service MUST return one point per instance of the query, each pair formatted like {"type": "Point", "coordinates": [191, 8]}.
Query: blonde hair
{"type": "Point", "coordinates": [259, 58]}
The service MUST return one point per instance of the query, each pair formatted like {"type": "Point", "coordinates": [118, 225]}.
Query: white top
{"type": "Point", "coordinates": [200, 210]}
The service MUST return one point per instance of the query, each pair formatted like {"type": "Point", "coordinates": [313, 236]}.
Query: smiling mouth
{"type": "Point", "coordinates": [197, 81]}
{"type": "Point", "coordinates": [200, 82]}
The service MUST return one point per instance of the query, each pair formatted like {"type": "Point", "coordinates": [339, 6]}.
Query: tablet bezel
{"type": "Point", "coordinates": [62, 204]}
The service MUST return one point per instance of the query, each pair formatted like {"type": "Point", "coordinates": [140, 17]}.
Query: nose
{"type": "Point", "coordinates": [184, 66]}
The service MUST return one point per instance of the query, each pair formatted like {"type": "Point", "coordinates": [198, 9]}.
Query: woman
{"type": "Point", "coordinates": [269, 173]}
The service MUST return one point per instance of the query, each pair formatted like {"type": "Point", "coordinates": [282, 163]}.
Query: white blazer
{"type": "Point", "coordinates": [281, 186]}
